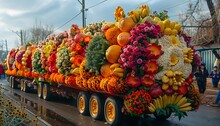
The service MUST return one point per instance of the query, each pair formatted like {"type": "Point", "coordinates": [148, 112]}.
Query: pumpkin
{"type": "Point", "coordinates": [105, 70]}
{"type": "Point", "coordinates": [126, 24]}
{"type": "Point", "coordinates": [111, 35]}
{"type": "Point", "coordinates": [123, 38]}
{"type": "Point", "coordinates": [113, 53]}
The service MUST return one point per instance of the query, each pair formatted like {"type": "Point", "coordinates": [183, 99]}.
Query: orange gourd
{"type": "Point", "coordinates": [105, 70]}
{"type": "Point", "coordinates": [113, 53]}
{"type": "Point", "coordinates": [126, 24]}
{"type": "Point", "coordinates": [111, 35]}
{"type": "Point", "coordinates": [123, 38]}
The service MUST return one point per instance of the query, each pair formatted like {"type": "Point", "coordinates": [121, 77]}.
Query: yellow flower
{"type": "Point", "coordinates": [188, 55]}
{"type": "Point", "coordinates": [178, 78]}
{"type": "Point", "coordinates": [119, 13]}
{"type": "Point", "coordinates": [174, 59]}
{"type": "Point", "coordinates": [174, 41]}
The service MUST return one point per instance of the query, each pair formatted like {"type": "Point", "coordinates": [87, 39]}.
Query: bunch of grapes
{"type": "Point", "coordinates": [187, 39]}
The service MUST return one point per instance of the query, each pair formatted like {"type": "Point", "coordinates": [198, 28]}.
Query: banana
{"type": "Point", "coordinates": [161, 102]}
{"type": "Point", "coordinates": [113, 66]}
{"type": "Point", "coordinates": [151, 109]}
{"type": "Point", "coordinates": [178, 99]}
{"type": "Point", "coordinates": [152, 105]}
{"type": "Point", "coordinates": [165, 100]}
{"type": "Point", "coordinates": [181, 101]}
{"type": "Point", "coordinates": [136, 13]}
{"type": "Point", "coordinates": [119, 74]}
{"type": "Point", "coordinates": [155, 103]}
{"type": "Point", "coordinates": [158, 102]}
{"type": "Point", "coordinates": [185, 105]}
{"type": "Point", "coordinates": [75, 71]}
{"type": "Point", "coordinates": [188, 108]}
{"type": "Point", "coordinates": [118, 70]}
{"type": "Point", "coordinates": [133, 18]}
{"type": "Point", "coordinates": [168, 99]}
{"type": "Point", "coordinates": [143, 13]}
{"type": "Point", "coordinates": [172, 99]}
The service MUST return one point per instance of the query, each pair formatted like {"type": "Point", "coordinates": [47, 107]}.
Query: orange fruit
{"type": "Point", "coordinates": [105, 70]}
{"type": "Point", "coordinates": [112, 53]}
{"type": "Point", "coordinates": [123, 38]}
{"type": "Point", "coordinates": [126, 24]}
{"type": "Point", "coordinates": [111, 35]}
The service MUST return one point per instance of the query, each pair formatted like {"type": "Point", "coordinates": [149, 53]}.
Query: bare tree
{"type": "Point", "coordinates": [35, 34]}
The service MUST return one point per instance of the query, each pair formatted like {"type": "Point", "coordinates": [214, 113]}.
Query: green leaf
{"type": "Point", "coordinates": [157, 42]}
{"type": "Point", "coordinates": [148, 39]}
{"type": "Point", "coordinates": [160, 69]}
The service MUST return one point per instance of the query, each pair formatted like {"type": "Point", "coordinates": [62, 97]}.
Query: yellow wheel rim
{"type": "Point", "coordinates": [39, 90]}
{"type": "Point", "coordinates": [81, 104]}
{"type": "Point", "coordinates": [94, 107]}
{"type": "Point", "coordinates": [45, 92]}
{"type": "Point", "coordinates": [110, 111]}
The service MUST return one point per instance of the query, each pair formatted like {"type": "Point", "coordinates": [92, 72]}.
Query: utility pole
{"type": "Point", "coordinates": [21, 37]}
{"type": "Point", "coordinates": [83, 13]}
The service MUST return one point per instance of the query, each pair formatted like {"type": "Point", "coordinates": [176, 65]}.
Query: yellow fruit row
{"type": "Point", "coordinates": [165, 100]}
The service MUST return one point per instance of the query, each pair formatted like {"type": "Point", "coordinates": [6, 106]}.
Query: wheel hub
{"type": "Point", "coordinates": [110, 111]}
{"type": "Point", "coordinates": [94, 107]}
{"type": "Point", "coordinates": [81, 104]}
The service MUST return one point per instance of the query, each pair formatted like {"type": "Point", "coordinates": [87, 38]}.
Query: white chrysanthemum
{"type": "Point", "coordinates": [187, 70]}
{"type": "Point", "coordinates": [182, 42]}
{"type": "Point", "coordinates": [159, 75]}
{"type": "Point", "coordinates": [164, 42]}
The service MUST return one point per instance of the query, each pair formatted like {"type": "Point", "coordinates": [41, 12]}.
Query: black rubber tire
{"type": "Point", "coordinates": [100, 102]}
{"type": "Point", "coordinates": [14, 83]}
{"type": "Point", "coordinates": [86, 97]}
{"type": "Point", "coordinates": [117, 103]}
{"type": "Point", "coordinates": [10, 80]}
{"type": "Point", "coordinates": [46, 92]}
{"type": "Point", "coordinates": [22, 85]}
{"type": "Point", "coordinates": [40, 90]}
{"type": "Point", "coordinates": [25, 87]}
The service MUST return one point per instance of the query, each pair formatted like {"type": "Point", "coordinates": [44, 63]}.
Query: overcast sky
{"type": "Point", "coordinates": [22, 14]}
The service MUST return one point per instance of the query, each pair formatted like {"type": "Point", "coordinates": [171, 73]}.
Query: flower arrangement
{"type": "Point", "coordinates": [137, 102]}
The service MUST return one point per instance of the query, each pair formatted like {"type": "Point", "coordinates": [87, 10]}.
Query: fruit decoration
{"type": "Point", "coordinates": [145, 59]}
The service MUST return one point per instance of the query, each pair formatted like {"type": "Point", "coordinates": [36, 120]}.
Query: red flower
{"type": "Point", "coordinates": [132, 81]}
{"type": "Point", "coordinates": [147, 80]}
{"type": "Point", "coordinates": [155, 51]}
{"type": "Point", "coordinates": [151, 67]}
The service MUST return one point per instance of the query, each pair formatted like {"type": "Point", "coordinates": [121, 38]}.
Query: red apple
{"type": "Point", "coordinates": [169, 91]}
{"type": "Point", "coordinates": [182, 90]}
{"type": "Point", "coordinates": [155, 91]}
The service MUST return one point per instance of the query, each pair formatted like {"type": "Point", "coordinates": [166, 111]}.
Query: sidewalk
{"type": "Point", "coordinates": [210, 94]}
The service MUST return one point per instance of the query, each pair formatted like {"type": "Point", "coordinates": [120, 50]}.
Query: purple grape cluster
{"type": "Point", "coordinates": [187, 39]}
{"type": "Point", "coordinates": [135, 54]}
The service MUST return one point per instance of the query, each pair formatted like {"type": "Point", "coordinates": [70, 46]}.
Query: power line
{"type": "Point", "coordinates": [68, 21]}
{"type": "Point", "coordinates": [97, 4]}
{"type": "Point", "coordinates": [175, 5]}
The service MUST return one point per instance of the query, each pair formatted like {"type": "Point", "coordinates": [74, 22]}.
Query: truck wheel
{"type": "Point", "coordinates": [25, 87]}
{"type": "Point", "coordinates": [83, 103]}
{"type": "Point", "coordinates": [46, 92]}
{"type": "Point", "coordinates": [112, 111]}
{"type": "Point", "coordinates": [14, 83]}
{"type": "Point", "coordinates": [10, 80]}
{"type": "Point", "coordinates": [40, 90]}
{"type": "Point", "coordinates": [22, 85]}
{"type": "Point", "coordinates": [96, 106]}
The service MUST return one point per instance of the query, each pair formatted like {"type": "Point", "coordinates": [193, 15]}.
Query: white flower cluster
{"type": "Point", "coordinates": [169, 50]}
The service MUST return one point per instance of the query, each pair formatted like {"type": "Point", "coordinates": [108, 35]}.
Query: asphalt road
{"type": "Point", "coordinates": [61, 112]}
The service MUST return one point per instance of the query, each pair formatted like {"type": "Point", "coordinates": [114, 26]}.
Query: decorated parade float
{"type": "Point", "coordinates": [138, 65]}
